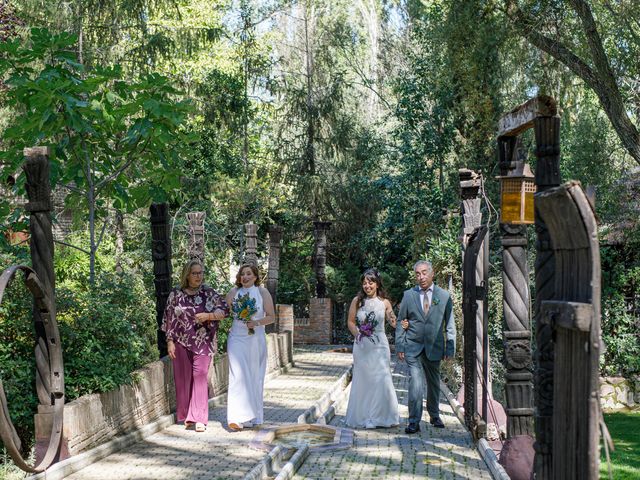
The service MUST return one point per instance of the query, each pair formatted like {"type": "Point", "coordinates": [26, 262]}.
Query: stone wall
{"type": "Point", "coordinates": [318, 328]}
{"type": "Point", "coordinates": [618, 393]}
{"type": "Point", "coordinates": [94, 419]}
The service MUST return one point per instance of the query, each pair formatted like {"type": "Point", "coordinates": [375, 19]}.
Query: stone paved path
{"type": "Point", "coordinates": [176, 453]}
{"type": "Point", "coordinates": [389, 453]}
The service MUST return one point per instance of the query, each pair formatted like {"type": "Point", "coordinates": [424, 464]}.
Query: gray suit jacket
{"type": "Point", "coordinates": [435, 332]}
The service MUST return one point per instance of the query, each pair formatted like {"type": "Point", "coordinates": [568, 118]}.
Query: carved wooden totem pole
{"type": "Point", "coordinates": [320, 257]}
{"type": "Point", "coordinates": [547, 134]}
{"type": "Point", "coordinates": [275, 239]}
{"type": "Point", "coordinates": [196, 235]}
{"type": "Point", "coordinates": [541, 114]}
{"type": "Point", "coordinates": [516, 307]}
{"type": "Point", "coordinates": [475, 244]}
{"type": "Point", "coordinates": [40, 281]}
{"type": "Point", "coordinates": [251, 243]}
{"type": "Point", "coordinates": [161, 255]}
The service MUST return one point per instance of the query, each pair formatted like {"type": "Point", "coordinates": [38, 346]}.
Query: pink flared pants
{"type": "Point", "coordinates": [190, 375]}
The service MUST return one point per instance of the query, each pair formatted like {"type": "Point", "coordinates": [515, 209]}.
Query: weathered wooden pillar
{"type": "Point", "coordinates": [161, 255]}
{"type": "Point", "coordinates": [48, 351]}
{"type": "Point", "coordinates": [196, 235]}
{"type": "Point", "coordinates": [320, 256]}
{"type": "Point", "coordinates": [573, 316]}
{"type": "Point", "coordinates": [480, 394]}
{"type": "Point", "coordinates": [275, 238]}
{"type": "Point", "coordinates": [251, 243]}
{"type": "Point", "coordinates": [539, 113]}
{"type": "Point", "coordinates": [473, 293]}
{"type": "Point", "coordinates": [516, 310]}
{"type": "Point", "coordinates": [547, 134]}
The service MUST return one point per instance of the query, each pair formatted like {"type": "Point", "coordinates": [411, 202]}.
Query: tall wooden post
{"type": "Point", "coordinates": [541, 114]}
{"type": "Point", "coordinates": [39, 207]}
{"type": "Point", "coordinates": [251, 243]}
{"type": "Point", "coordinates": [275, 238]}
{"type": "Point", "coordinates": [196, 235]}
{"type": "Point", "coordinates": [161, 255]}
{"type": "Point", "coordinates": [547, 134]}
{"type": "Point", "coordinates": [320, 257]}
{"type": "Point", "coordinates": [516, 308]}
{"type": "Point", "coordinates": [470, 187]}
{"type": "Point", "coordinates": [48, 351]}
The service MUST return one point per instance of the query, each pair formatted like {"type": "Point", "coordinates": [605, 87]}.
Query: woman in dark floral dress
{"type": "Point", "coordinates": [191, 322]}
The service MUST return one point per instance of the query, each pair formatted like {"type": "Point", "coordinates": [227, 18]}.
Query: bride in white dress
{"type": "Point", "coordinates": [372, 402]}
{"type": "Point", "coordinates": [248, 352]}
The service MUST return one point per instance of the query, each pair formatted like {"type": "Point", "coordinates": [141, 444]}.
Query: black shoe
{"type": "Point", "coordinates": [436, 422]}
{"type": "Point", "coordinates": [412, 428]}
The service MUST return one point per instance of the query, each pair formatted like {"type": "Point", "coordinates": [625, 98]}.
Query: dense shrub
{"type": "Point", "coordinates": [106, 333]}
{"type": "Point", "coordinates": [620, 312]}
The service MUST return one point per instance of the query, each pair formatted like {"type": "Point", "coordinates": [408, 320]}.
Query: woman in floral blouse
{"type": "Point", "coordinates": [191, 322]}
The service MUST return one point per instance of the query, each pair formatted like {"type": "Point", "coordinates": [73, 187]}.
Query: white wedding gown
{"type": "Point", "coordinates": [372, 402]}
{"type": "Point", "coordinates": [247, 367]}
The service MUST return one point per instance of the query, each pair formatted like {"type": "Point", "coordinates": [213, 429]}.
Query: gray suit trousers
{"type": "Point", "coordinates": [419, 367]}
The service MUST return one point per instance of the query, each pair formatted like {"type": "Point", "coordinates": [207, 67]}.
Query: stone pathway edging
{"type": "Point", "coordinates": [486, 452]}
{"type": "Point", "coordinates": [71, 465]}
{"type": "Point", "coordinates": [292, 466]}
{"type": "Point", "coordinates": [324, 404]}
{"type": "Point", "coordinates": [269, 463]}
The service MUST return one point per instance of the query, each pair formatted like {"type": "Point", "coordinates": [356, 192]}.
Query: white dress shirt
{"type": "Point", "coordinates": [429, 294]}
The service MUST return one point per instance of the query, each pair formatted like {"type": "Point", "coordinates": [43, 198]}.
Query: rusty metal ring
{"type": "Point", "coordinates": [53, 382]}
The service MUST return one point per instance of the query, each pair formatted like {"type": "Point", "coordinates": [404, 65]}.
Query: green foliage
{"type": "Point", "coordinates": [620, 324]}
{"type": "Point", "coordinates": [115, 143]}
{"type": "Point", "coordinates": [223, 334]}
{"type": "Point", "coordinates": [106, 332]}
{"type": "Point", "coordinates": [17, 361]}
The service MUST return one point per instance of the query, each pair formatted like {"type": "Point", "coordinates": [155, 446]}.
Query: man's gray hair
{"type": "Point", "coordinates": [423, 262]}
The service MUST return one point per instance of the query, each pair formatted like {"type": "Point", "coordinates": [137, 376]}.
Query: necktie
{"type": "Point", "coordinates": [425, 306]}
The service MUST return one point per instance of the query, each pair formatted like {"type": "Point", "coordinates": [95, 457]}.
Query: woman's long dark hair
{"type": "Point", "coordinates": [372, 275]}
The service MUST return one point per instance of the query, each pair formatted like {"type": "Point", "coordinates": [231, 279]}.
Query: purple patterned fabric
{"type": "Point", "coordinates": [179, 321]}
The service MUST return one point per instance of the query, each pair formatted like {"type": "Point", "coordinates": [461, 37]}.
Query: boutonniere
{"type": "Point", "coordinates": [435, 301]}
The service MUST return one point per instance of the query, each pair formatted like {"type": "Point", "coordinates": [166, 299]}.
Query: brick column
{"type": "Point", "coordinates": [320, 322]}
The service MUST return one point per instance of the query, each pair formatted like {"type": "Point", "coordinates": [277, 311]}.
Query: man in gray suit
{"type": "Point", "coordinates": [429, 337]}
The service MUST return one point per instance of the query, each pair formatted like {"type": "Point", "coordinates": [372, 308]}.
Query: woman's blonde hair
{"type": "Point", "coordinates": [186, 270]}
{"type": "Point", "coordinates": [253, 268]}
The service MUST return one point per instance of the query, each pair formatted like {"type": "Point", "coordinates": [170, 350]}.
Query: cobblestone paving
{"type": "Point", "coordinates": [176, 453]}
{"type": "Point", "coordinates": [389, 453]}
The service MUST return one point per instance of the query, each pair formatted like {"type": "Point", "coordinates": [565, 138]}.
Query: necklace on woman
{"type": "Point", "coordinates": [190, 291]}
